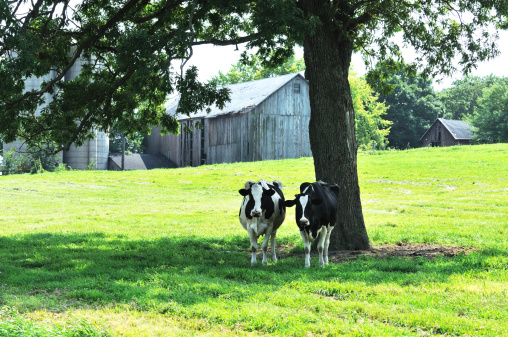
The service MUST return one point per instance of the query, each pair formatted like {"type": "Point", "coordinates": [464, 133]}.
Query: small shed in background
{"type": "Point", "coordinates": [446, 132]}
{"type": "Point", "coordinates": [266, 119]}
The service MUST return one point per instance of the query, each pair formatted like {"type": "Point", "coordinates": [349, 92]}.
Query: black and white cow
{"type": "Point", "coordinates": [316, 215]}
{"type": "Point", "coordinates": [262, 213]}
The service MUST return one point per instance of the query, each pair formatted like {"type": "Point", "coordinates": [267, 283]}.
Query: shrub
{"type": "Point", "coordinates": [31, 161]}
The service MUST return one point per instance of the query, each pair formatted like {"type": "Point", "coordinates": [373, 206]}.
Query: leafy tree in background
{"type": "Point", "coordinates": [490, 117]}
{"type": "Point", "coordinates": [370, 126]}
{"type": "Point", "coordinates": [461, 99]}
{"type": "Point", "coordinates": [254, 70]}
{"type": "Point", "coordinates": [413, 106]}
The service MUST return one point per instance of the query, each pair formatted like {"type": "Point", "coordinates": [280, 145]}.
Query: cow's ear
{"type": "Point", "coordinates": [243, 192]}
{"type": "Point", "coordinates": [289, 203]}
{"type": "Point", "coordinates": [303, 186]}
{"type": "Point", "coordinates": [249, 184]}
{"type": "Point", "coordinates": [335, 189]}
{"type": "Point", "coordinates": [316, 201]}
{"type": "Point", "coordinates": [269, 192]}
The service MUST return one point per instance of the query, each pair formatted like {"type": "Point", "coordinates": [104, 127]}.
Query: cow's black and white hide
{"type": "Point", "coordinates": [262, 213]}
{"type": "Point", "coordinates": [316, 215]}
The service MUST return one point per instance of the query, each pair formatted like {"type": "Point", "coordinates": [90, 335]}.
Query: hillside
{"type": "Point", "coordinates": [161, 252]}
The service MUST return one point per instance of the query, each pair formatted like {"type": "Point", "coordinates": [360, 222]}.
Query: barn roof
{"type": "Point", "coordinates": [458, 129]}
{"type": "Point", "coordinates": [244, 96]}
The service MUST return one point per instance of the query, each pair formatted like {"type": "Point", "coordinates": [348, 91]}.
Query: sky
{"type": "Point", "coordinates": [212, 59]}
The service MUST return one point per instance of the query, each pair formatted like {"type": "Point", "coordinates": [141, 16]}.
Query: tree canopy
{"type": "Point", "coordinates": [371, 126]}
{"type": "Point", "coordinates": [490, 117]}
{"type": "Point", "coordinates": [413, 106]}
{"type": "Point", "coordinates": [461, 99]}
{"type": "Point", "coordinates": [128, 48]}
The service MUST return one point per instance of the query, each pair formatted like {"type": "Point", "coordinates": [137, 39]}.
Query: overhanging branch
{"type": "Point", "coordinates": [238, 40]}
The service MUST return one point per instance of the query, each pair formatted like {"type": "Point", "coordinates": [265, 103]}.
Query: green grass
{"type": "Point", "coordinates": [161, 253]}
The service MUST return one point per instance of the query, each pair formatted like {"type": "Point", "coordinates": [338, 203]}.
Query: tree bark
{"type": "Point", "coordinates": [332, 127]}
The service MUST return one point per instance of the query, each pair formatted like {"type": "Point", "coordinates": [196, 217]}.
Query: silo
{"type": "Point", "coordinates": [33, 84]}
{"type": "Point", "coordinates": [94, 151]}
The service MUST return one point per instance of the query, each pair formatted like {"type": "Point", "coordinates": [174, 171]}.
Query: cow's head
{"type": "Point", "coordinates": [305, 211]}
{"type": "Point", "coordinates": [259, 197]}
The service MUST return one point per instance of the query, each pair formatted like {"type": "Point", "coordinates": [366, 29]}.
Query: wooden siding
{"type": "Point", "coordinates": [226, 139]}
{"type": "Point", "coordinates": [277, 128]}
{"type": "Point", "coordinates": [280, 125]}
{"type": "Point", "coordinates": [167, 145]}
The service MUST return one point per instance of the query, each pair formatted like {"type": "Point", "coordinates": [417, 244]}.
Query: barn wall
{"type": "Point", "coordinates": [277, 128]}
{"type": "Point", "coordinates": [190, 144]}
{"type": "Point", "coordinates": [167, 145]}
{"type": "Point", "coordinates": [282, 122]}
{"type": "Point", "coordinates": [226, 140]}
{"type": "Point", "coordinates": [181, 150]}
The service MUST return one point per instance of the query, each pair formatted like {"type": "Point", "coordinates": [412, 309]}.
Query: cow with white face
{"type": "Point", "coordinates": [262, 213]}
{"type": "Point", "coordinates": [316, 208]}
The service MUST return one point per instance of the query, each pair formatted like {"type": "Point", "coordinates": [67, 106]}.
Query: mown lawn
{"type": "Point", "coordinates": [161, 253]}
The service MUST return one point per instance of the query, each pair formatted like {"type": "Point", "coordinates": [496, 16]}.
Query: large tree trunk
{"type": "Point", "coordinates": [332, 129]}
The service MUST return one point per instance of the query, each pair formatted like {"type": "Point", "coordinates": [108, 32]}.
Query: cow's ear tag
{"type": "Point", "coordinates": [243, 192]}
{"type": "Point", "coordinates": [317, 201]}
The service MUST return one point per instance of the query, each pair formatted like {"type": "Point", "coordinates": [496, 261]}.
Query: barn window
{"type": "Point", "coordinates": [296, 87]}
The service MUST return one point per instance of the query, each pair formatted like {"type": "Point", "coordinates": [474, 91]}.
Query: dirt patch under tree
{"type": "Point", "coordinates": [399, 250]}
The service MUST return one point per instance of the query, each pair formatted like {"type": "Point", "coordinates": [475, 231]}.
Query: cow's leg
{"type": "Point", "coordinates": [264, 246]}
{"type": "Point", "coordinates": [321, 245]}
{"type": "Point", "coordinates": [274, 255]}
{"type": "Point", "coordinates": [327, 243]}
{"type": "Point", "coordinates": [253, 247]}
{"type": "Point", "coordinates": [306, 248]}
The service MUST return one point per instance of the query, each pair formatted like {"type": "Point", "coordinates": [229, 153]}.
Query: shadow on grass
{"type": "Point", "coordinates": [55, 271]}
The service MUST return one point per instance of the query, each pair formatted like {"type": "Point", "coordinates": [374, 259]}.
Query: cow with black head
{"type": "Point", "coordinates": [316, 208]}
{"type": "Point", "coordinates": [262, 213]}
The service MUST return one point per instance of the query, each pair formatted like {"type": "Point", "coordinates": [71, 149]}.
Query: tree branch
{"type": "Point", "coordinates": [79, 49]}
{"type": "Point", "coordinates": [239, 40]}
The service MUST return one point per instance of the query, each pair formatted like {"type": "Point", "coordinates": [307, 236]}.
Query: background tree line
{"type": "Point", "coordinates": [413, 105]}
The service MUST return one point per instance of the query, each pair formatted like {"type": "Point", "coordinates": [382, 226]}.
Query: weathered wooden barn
{"type": "Point", "coordinates": [266, 119]}
{"type": "Point", "coordinates": [446, 132]}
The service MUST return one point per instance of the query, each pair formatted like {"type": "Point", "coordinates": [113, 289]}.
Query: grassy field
{"type": "Point", "coordinates": [162, 253]}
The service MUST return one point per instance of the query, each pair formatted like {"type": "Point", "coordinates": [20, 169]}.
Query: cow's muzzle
{"type": "Point", "coordinates": [256, 214]}
{"type": "Point", "coordinates": [304, 222]}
